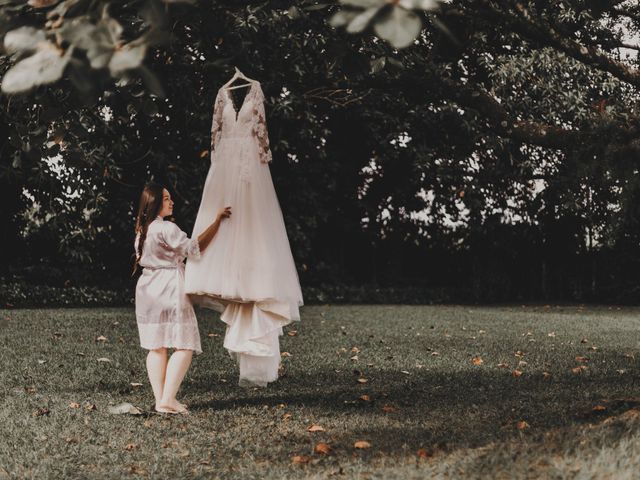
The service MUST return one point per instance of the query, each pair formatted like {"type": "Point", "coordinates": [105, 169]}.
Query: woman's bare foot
{"type": "Point", "coordinates": [172, 407]}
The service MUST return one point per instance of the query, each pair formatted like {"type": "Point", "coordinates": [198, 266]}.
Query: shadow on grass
{"type": "Point", "coordinates": [467, 408]}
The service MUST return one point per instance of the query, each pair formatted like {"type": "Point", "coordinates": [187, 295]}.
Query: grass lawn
{"type": "Point", "coordinates": [440, 398]}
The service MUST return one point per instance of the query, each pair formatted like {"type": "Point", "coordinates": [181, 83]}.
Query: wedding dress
{"type": "Point", "coordinates": [247, 272]}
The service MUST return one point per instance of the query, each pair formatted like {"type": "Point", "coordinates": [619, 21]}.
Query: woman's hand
{"type": "Point", "coordinates": [224, 213]}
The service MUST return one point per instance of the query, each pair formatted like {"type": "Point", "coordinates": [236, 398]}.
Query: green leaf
{"type": "Point", "coordinates": [45, 66]}
{"type": "Point", "coordinates": [127, 58]}
{"type": "Point", "coordinates": [361, 21]}
{"type": "Point", "coordinates": [23, 39]}
{"type": "Point", "coordinates": [420, 4]}
{"type": "Point", "coordinates": [400, 27]}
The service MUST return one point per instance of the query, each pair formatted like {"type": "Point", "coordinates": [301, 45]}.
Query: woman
{"type": "Point", "coordinates": [164, 314]}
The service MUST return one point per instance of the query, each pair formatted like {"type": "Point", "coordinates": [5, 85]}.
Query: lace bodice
{"type": "Point", "coordinates": [247, 120]}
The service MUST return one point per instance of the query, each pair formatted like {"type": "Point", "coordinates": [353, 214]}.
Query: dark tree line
{"type": "Point", "coordinates": [493, 158]}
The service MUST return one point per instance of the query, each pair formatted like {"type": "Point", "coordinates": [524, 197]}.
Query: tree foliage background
{"type": "Point", "coordinates": [486, 149]}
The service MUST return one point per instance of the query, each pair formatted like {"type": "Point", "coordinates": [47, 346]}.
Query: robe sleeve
{"type": "Point", "coordinates": [175, 239]}
{"type": "Point", "coordinates": [260, 126]}
{"type": "Point", "coordinates": [216, 123]}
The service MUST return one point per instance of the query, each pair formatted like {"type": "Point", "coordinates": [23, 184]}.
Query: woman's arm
{"type": "Point", "coordinates": [205, 237]}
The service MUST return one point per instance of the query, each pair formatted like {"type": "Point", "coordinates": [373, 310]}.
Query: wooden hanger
{"type": "Point", "coordinates": [237, 75]}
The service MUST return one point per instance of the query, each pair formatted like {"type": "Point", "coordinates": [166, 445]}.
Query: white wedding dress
{"type": "Point", "coordinates": [247, 272]}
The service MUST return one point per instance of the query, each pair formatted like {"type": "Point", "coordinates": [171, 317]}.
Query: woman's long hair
{"type": "Point", "coordinates": [148, 210]}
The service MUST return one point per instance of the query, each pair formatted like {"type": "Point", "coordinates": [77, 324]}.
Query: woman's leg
{"type": "Point", "coordinates": [157, 368]}
{"type": "Point", "coordinates": [176, 369]}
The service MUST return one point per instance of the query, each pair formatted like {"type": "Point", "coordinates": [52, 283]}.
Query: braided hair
{"type": "Point", "coordinates": [148, 210]}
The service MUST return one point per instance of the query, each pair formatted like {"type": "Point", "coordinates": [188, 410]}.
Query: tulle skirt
{"type": "Point", "coordinates": [247, 272]}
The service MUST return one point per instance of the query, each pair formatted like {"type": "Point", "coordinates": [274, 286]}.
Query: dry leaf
{"type": "Point", "coordinates": [212, 335]}
{"type": "Point", "coordinates": [551, 334]}
{"type": "Point", "coordinates": [286, 416]}
{"type": "Point", "coordinates": [315, 428]}
{"type": "Point", "coordinates": [423, 453]}
{"type": "Point", "coordinates": [546, 374]}
{"type": "Point", "coordinates": [519, 354]}
{"type": "Point", "coordinates": [292, 333]}
{"type": "Point", "coordinates": [104, 359]}
{"type": "Point", "coordinates": [41, 411]}
{"type": "Point", "coordinates": [582, 359]}
{"type": "Point", "coordinates": [74, 405]}
{"type": "Point", "coordinates": [522, 425]}
{"type": "Point", "coordinates": [204, 153]}
{"type": "Point", "coordinates": [503, 365]}
{"type": "Point", "coordinates": [516, 373]}
{"type": "Point", "coordinates": [285, 354]}
{"type": "Point", "coordinates": [388, 409]}
{"type": "Point", "coordinates": [364, 398]}
{"type": "Point", "coordinates": [362, 380]}
{"type": "Point", "coordinates": [354, 358]}
{"type": "Point", "coordinates": [90, 407]}
{"type": "Point", "coordinates": [584, 340]}
{"type": "Point", "coordinates": [477, 361]}
{"type": "Point", "coordinates": [362, 444]}
{"type": "Point", "coordinates": [355, 350]}
{"type": "Point", "coordinates": [578, 369]}
{"type": "Point", "coordinates": [300, 459]}
{"type": "Point", "coordinates": [101, 338]}
{"type": "Point", "coordinates": [405, 372]}
{"type": "Point", "coordinates": [130, 446]}
{"type": "Point", "coordinates": [322, 448]}
{"type": "Point", "coordinates": [599, 408]}
{"type": "Point", "coordinates": [135, 384]}
{"type": "Point", "coordinates": [124, 408]}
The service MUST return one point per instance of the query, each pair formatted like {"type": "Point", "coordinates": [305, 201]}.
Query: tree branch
{"type": "Point", "coordinates": [526, 26]}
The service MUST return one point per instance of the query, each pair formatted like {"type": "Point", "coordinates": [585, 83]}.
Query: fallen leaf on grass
{"type": "Point", "coordinates": [285, 354]}
{"type": "Point", "coordinates": [42, 362]}
{"type": "Point", "coordinates": [362, 380]}
{"type": "Point", "coordinates": [503, 365]}
{"type": "Point", "coordinates": [362, 444]}
{"type": "Point", "coordinates": [584, 340]}
{"type": "Point", "coordinates": [388, 409]}
{"type": "Point", "coordinates": [423, 453]}
{"type": "Point", "coordinates": [292, 333]}
{"type": "Point", "coordinates": [516, 373]}
{"type": "Point", "coordinates": [212, 335]}
{"type": "Point", "coordinates": [315, 428]}
{"type": "Point", "coordinates": [123, 409]}
{"type": "Point", "coordinates": [135, 384]}
{"type": "Point", "coordinates": [582, 359]}
{"type": "Point", "coordinates": [519, 354]}
{"type": "Point", "coordinates": [599, 408]}
{"type": "Point", "coordinates": [522, 425]}
{"type": "Point", "coordinates": [579, 369]}
{"type": "Point", "coordinates": [322, 448]}
{"type": "Point", "coordinates": [130, 446]}
{"type": "Point", "coordinates": [101, 338]}
{"type": "Point", "coordinates": [551, 334]}
{"type": "Point", "coordinates": [104, 359]}
{"type": "Point", "coordinates": [41, 411]}
{"type": "Point", "coordinates": [365, 398]}
{"type": "Point", "coordinates": [355, 350]}
{"type": "Point", "coordinates": [74, 405]}
{"type": "Point", "coordinates": [90, 407]}
{"type": "Point", "coordinates": [477, 361]}
{"type": "Point", "coordinates": [286, 416]}
{"type": "Point", "coordinates": [435, 354]}
{"type": "Point", "coordinates": [630, 356]}
{"type": "Point", "coordinates": [354, 358]}
{"type": "Point", "coordinates": [300, 459]}
{"type": "Point", "coordinates": [405, 372]}
{"type": "Point", "coordinates": [546, 374]}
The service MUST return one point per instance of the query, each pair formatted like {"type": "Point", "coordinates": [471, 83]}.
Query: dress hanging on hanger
{"type": "Point", "coordinates": [248, 272]}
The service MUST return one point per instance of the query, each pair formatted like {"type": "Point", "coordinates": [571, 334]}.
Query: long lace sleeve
{"type": "Point", "coordinates": [260, 126]}
{"type": "Point", "coordinates": [216, 123]}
